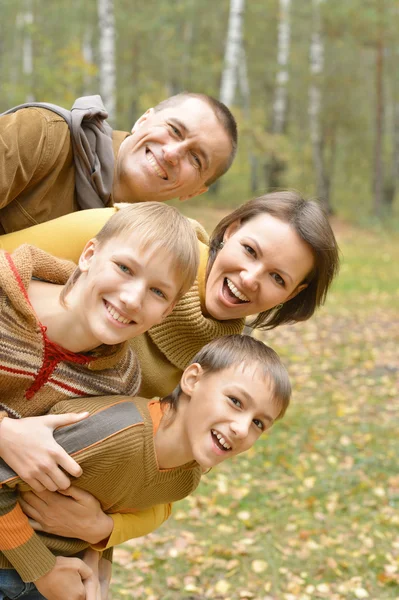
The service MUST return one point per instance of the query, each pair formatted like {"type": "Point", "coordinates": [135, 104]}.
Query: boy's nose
{"type": "Point", "coordinates": [240, 427]}
{"type": "Point", "coordinates": [132, 298]}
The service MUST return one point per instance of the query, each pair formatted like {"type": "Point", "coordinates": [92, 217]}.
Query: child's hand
{"type": "Point", "coordinates": [69, 579]}
{"type": "Point", "coordinates": [72, 513]}
{"type": "Point", "coordinates": [28, 447]}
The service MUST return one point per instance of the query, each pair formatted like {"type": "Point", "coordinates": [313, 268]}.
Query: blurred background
{"type": "Point", "coordinates": [311, 512]}
{"type": "Point", "coordinates": [314, 84]}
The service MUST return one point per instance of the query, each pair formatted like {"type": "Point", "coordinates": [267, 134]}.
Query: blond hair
{"type": "Point", "coordinates": [157, 225]}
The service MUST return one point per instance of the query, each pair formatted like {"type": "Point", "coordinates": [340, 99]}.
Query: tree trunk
{"type": "Point", "coordinates": [379, 118]}
{"type": "Point", "coordinates": [232, 53]}
{"type": "Point", "coordinates": [315, 110]}
{"type": "Point", "coordinates": [246, 104]}
{"type": "Point", "coordinates": [273, 166]}
{"type": "Point", "coordinates": [88, 55]}
{"type": "Point", "coordinates": [107, 67]}
{"type": "Point", "coordinates": [27, 50]}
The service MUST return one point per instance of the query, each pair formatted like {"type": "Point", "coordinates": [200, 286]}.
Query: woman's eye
{"type": "Point", "coordinates": [158, 292]}
{"type": "Point", "coordinates": [250, 250]}
{"type": "Point", "coordinates": [235, 401]}
{"type": "Point", "coordinates": [124, 268]}
{"type": "Point", "coordinates": [259, 424]}
{"type": "Point", "coordinates": [278, 279]}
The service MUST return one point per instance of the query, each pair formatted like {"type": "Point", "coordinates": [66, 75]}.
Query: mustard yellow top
{"type": "Point", "coordinates": [164, 351]}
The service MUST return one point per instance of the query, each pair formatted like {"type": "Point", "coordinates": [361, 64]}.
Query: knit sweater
{"type": "Point", "coordinates": [36, 373]}
{"type": "Point", "coordinates": [115, 448]}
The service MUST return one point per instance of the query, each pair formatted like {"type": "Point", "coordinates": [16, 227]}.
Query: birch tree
{"type": "Point", "coordinates": [273, 165]}
{"type": "Point", "coordinates": [232, 52]}
{"type": "Point", "coordinates": [315, 108]}
{"type": "Point", "coordinates": [379, 113]}
{"type": "Point", "coordinates": [27, 49]}
{"type": "Point", "coordinates": [107, 68]}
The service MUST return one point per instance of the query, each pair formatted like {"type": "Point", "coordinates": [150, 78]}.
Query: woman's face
{"type": "Point", "coordinates": [261, 264]}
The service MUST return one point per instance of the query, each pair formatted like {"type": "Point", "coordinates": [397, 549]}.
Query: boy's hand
{"type": "Point", "coordinates": [69, 579]}
{"type": "Point", "coordinates": [71, 513]}
{"type": "Point", "coordinates": [28, 447]}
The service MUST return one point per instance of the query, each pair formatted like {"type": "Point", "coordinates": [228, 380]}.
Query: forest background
{"type": "Point", "coordinates": [314, 84]}
{"type": "Point", "coordinates": [311, 512]}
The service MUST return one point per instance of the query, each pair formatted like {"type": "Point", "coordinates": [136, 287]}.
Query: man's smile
{"type": "Point", "coordinates": [160, 171]}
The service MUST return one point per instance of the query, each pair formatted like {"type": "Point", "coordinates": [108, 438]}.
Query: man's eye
{"type": "Point", "coordinates": [175, 130]}
{"type": "Point", "coordinates": [259, 424]}
{"type": "Point", "coordinates": [235, 401]}
{"type": "Point", "coordinates": [197, 160]}
{"type": "Point", "coordinates": [158, 292]}
{"type": "Point", "coordinates": [278, 279]}
{"type": "Point", "coordinates": [250, 250]}
{"type": "Point", "coordinates": [124, 268]}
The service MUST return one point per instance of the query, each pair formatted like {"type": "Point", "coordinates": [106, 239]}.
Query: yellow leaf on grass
{"type": "Point", "coordinates": [222, 586]}
{"type": "Point", "coordinates": [259, 566]}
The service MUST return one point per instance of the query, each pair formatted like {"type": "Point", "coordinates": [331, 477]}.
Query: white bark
{"type": "Point", "coordinates": [27, 49]}
{"type": "Point", "coordinates": [279, 118]}
{"type": "Point", "coordinates": [107, 68]}
{"type": "Point", "coordinates": [315, 107]}
{"type": "Point", "coordinates": [88, 55]}
{"type": "Point", "coordinates": [232, 52]}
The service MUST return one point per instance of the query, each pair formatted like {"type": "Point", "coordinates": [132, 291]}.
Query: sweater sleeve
{"type": "Point", "coordinates": [25, 152]}
{"type": "Point", "coordinates": [18, 541]}
{"type": "Point", "coordinates": [132, 525]}
{"type": "Point", "coordinates": [64, 237]}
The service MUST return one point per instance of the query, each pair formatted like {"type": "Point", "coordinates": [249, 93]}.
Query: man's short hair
{"type": "Point", "coordinates": [223, 115]}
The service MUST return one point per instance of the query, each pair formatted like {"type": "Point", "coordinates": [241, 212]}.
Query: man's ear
{"type": "Point", "coordinates": [297, 291]}
{"type": "Point", "coordinates": [142, 119]}
{"type": "Point", "coordinates": [201, 190]}
{"type": "Point", "coordinates": [191, 376]}
{"type": "Point", "coordinates": [88, 252]}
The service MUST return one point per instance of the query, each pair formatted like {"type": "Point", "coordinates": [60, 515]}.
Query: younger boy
{"type": "Point", "coordinates": [64, 330]}
{"type": "Point", "coordinates": [135, 453]}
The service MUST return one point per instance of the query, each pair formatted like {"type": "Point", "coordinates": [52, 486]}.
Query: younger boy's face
{"type": "Point", "coordinates": [124, 290]}
{"type": "Point", "coordinates": [227, 412]}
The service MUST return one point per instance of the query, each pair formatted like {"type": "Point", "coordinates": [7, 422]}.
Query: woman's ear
{"type": "Point", "coordinates": [88, 252]}
{"type": "Point", "coordinates": [191, 376]}
{"type": "Point", "coordinates": [231, 229]}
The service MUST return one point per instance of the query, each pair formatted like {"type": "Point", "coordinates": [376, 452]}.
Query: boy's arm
{"type": "Point", "coordinates": [64, 237]}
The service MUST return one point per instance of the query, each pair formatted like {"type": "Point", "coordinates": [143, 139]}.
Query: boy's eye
{"type": "Point", "coordinates": [124, 268]}
{"type": "Point", "coordinates": [259, 424]}
{"type": "Point", "coordinates": [250, 250]}
{"type": "Point", "coordinates": [235, 401]}
{"type": "Point", "coordinates": [159, 293]}
{"type": "Point", "coordinates": [278, 279]}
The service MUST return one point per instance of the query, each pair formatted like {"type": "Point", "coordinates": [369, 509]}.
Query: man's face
{"type": "Point", "coordinates": [171, 154]}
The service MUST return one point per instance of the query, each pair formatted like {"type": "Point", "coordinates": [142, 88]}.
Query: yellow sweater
{"type": "Point", "coordinates": [163, 352]}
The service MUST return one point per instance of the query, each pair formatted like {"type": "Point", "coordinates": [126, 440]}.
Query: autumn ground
{"type": "Point", "coordinates": [312, 511]}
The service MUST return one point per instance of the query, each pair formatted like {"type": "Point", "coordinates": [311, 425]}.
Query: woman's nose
{"type": "Point", "coordinates": [250, 279]}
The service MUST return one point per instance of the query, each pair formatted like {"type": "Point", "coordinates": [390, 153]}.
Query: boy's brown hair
{"type": "Point", "coordinates": [235, 350]}
{"type": "Point", "coordinates": [157, 225]}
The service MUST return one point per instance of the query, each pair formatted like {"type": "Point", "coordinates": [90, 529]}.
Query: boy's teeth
{"type": "Point", "coordinates": [116, 315]}
{"type": "Point", "coordinates": [221, 439]}
{"type": "Point", "coordinates": [235, 291]}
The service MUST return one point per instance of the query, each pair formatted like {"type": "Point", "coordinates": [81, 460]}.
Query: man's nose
{"type": "Point", "coordinates": [173, 152]}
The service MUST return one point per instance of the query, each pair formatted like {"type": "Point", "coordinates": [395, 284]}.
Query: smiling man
{"type": "Point", "coordinates": [175, 150]}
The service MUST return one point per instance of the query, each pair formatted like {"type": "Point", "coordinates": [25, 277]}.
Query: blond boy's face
{"type": "Point", "coordinates": [123, 291]}
{"type": "Point", "coordinates": [227, 412]}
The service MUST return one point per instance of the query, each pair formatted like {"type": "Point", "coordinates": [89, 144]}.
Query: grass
{"type": "Point", "coordinates": [312, 510]}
